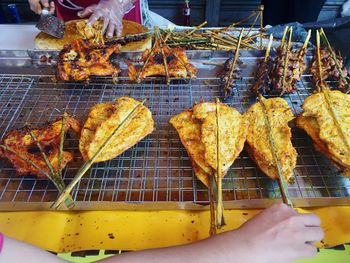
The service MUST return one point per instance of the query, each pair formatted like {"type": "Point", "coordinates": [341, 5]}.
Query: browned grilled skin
{"type": "Point", "coordinates": [262, 84]}
{"type": "Point", "coordinates": [82, 59]}
{"type": "Point", "coordinates": [227, 83]}
{"type": "Point", "coordinates": [49, 138]}
{"type": "Point", "coordinates": [178, 65]}
{"type": "Point", "coordinates": [294, 70]}
{"type": "Point", "coordinates": [330, 70]}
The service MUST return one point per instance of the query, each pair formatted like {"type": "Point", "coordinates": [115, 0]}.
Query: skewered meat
{"type": "Point", "coordinates": [104, 118]}
{"type": "Point", "coordinates": [326, 119]}
{"type": "Point", "coordinates": [270, 123]}
{"type": "Point", "coordinates": [263, 77]}
{"type": "Point", "coordinates": [82, 59]}
{"type": "Point", "coordinates": [286, 83]}
{"type": "Point", "coordinates": [176, 60]}
{"type": "Point", "coordinates": [48, 137]}
{"type": "Point", "coordinates": [197, 129]}
{"type": "Point", "coordinates": [227, 78]}
{"type": "Point", "coordinates": [330, 70]}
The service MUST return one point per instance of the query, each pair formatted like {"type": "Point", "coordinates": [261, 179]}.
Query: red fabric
{"type": "Point", "coordinates": [1, 241]}
{"type": "Point", "coordinates": [67, 14]}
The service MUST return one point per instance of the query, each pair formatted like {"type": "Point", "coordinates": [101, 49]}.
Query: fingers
{"type": "Point", "coordinates": [45, 3]}
{"type": "Point", "coordinates": [87, 11]}
{"type": "Point", "coordinates": [307, 251]}
{"type": "Point", "coordinates": [52, 8]}
{"type": "Point", "coordinates": [119, 29]}
{"type": "Point", "coordinates": [110, 30]}
{"type": "Point", "coordinates": [310, 219]}
{"type": "Point", "coordinates": [35, 6]}
{"type": "Point", "coordinates": [312, 234]}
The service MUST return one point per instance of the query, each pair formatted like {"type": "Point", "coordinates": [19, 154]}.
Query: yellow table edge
{"type": "Point", "coordinates": [136, 230]}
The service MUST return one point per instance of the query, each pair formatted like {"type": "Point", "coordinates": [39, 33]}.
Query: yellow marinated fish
{"type": "Point", "coordinates": [99, 127]}
{"type": "Point", "coordinates": [258, 139]}
{"type": "Point", "coordinates": [232, 133]}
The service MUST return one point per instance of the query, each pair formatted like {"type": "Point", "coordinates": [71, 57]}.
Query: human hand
{"type": "Point", "coordinates": [279, 234]}
{"type": "Point", "coordinates": [37, 6]}
{"type": "Point", "coordinates": [111, 12]}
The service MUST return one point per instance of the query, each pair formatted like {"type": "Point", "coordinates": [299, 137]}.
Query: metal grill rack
{"type": "Point", "coordinates": [156, 173]}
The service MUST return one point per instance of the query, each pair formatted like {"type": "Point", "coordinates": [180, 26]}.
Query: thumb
{"type": "Point", "coordinates": [87, 11]}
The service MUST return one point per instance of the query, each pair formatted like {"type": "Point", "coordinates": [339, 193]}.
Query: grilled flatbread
{"type": "Point", "coordinates": [105, 118]}
{"type": "Point", "coordinates": [258, 138]}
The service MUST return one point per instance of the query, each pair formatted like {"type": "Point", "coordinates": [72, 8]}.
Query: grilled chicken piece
{"type": "Point", "coordinates": [189, 130]}
{"type": "Point", "coordinates": [104, 118]}
{"type": "Point", "coordinates": [233, 131]}
{"type": "Point", "coordinates": [82, 59]}
{"type": "Point", "coordinates": [49, 138]}
{"type": "Point", "coordinates": [258, 139]}
{"type": "Point", "coordinates": [197, 129]}
{"type": "Point", "coordinates": [178, 65]}
{"type": "Point", "coordinates": [330, 70]}
{"type": "Point", "coordinates": [327, 121]}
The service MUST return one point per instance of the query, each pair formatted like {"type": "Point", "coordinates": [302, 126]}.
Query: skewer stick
{"type": "Point", "coordinates": [286, 61]}
{"type": "Point", "coordinates": [65, 193]}
{"type": "Point", "coordinates": [320, 70]}
{"type": "Point", "coordinates": [220, 208]}
{"type": "Point", "coordinates": [282, 182]}
{"type": "Point", "coordinates": [160, 41]}
{"type": "Point", "coordinates": [268, 49]}
{"type": "Point", "coordinates": [197, 28]}
{"type": "Point", "coordinates": [61, 145]}
{"type": "Point", "coordinates": [302, 51]}
{"type": "Point", "coordinates": [233, 64]}
{"type": "Point", "coordinates": [212, 230]}
{"type": "Point", "coordinates": [261, 9]}
{"type": "Point", "coordinates": [284, 36]}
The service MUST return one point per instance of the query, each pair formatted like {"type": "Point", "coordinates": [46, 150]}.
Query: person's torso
{"type": "Point", "coordinates": [67, 9]}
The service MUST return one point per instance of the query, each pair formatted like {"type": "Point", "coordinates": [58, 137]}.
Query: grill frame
{"type": "Point", "coordinates": [156, 173]}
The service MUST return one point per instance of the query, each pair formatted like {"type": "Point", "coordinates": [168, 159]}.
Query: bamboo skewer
{"type": "Point", "coordinates": [197, 28]}
{"type": "Point", "coordinates": [286, 61]}
{"type": "Point", "coordinates": [61, 145]}
{"type": "Point", "coordinates": [303, 49]}
{"type": "Point", "coordinates": [212, 230]}
{"type": "Point", "coordinates": [282, 182]}
{"type": "Point", "coordinates": [160, 42]}
{"type": "Point", "coordinates": [233, 64]}
{"type": "Point", "coordinates": [90, 162]}
{"type": "Point", "coordinates": [268, 49]}
{"type": "Point", "coordinates": [220, 208]}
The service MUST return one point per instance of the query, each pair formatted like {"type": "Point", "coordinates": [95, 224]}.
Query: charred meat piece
{"type": "Point", "coordinates": [49, 138]}
{"type": "Point", "coordinates": [263, 77]}
{"type": "Point", "coordinates": [285, 82]}
{"type": "Point", "coordinates": [228, 77]}
{"type": "Point", "coordinates": [82, 59]}
{"type": "Point", "coordinates": [330, 70]}
{"type": "Point", "coordinates": [176, 60]}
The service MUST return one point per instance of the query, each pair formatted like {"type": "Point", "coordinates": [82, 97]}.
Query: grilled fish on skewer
{"type": "Point", "coordinates": [326, 119]}
{"type": "Point", "coordinates": [278, 114]}
{"type": "Point", "coordinates": [48, 137]}
{"type": "Point", "coordinates": [104, 118]}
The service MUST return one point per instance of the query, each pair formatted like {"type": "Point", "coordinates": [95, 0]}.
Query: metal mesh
{"type": "Point", "coordinates": [158, 168]}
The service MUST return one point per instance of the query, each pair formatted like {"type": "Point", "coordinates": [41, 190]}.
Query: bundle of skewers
{"type": "Point", "coordinates": [226, 38]}
{"type": "Point", "coordinates": [331, 64]}
{"type": "Point", "coordinates": [280, 75]}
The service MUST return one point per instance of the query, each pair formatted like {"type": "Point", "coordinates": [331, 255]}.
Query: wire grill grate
{"type": "Point", "coordinates": [157, 169]}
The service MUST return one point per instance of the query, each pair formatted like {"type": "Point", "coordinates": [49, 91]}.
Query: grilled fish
{"type": "Point", "coordinates": [104, 118]}
{"type": "Point", "coordinates": [258, 139]}
{"type": "Point", "coordinates": [326, 119]}
{"type": "Point", "coordinates": [49, 138]}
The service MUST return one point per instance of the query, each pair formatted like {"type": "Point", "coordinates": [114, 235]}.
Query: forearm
{"type": "Point", "coordinates": [16, 251]}
{"type": "Point", "coordinates": [216, 249]}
